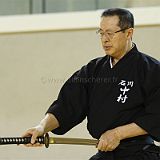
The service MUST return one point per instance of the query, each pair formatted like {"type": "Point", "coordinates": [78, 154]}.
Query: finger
{"type": "Point", "coordinates": [28, 133]}
{"type": "Point", "coordinates": [33, 138]}
{"type": "Point", "coordinates": [112, 147]}
{"type": "Point", "coordinates": [101, 145]}
{"type": "Point", "coordinates": [33, 145]}
{"type": "Point", "coordinates": [37, 145]}
{"type": "Point", "coordinates": [28, 145]}
{"type": "Point", "coordinates": [109, 148]}
{"type": "Point", "coordinates": [104, 146]}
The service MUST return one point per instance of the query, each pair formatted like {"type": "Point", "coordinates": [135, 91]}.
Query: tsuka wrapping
{"type": "Point", "coordinates": [19, 140]}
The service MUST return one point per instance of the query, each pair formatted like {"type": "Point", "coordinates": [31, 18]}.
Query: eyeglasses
{"type": "Point", "coordinates": [108, 35]}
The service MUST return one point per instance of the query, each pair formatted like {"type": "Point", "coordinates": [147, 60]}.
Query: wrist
{"type": "Point", "coordinates": [118, 133]}
{"type": "Point", "coordinates": [40, 128]}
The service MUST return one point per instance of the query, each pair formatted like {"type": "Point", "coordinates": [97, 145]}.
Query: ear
{"type": "Point", "coordinates": [130, 33]}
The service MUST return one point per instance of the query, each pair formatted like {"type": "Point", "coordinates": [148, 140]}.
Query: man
{"type": "Point", "coordinates": [118, 93]}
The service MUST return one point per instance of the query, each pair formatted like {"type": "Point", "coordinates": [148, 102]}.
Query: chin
{"type": "Point", "coordinates": [108, 53]}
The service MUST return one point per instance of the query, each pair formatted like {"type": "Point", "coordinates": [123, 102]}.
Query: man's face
{"type": "Point", "coordinates": [114, 44]}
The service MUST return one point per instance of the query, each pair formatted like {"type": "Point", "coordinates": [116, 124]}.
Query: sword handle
{"type": "Point", "coordinates": [25, 140]}
{"type": "Point", "coordinates": [19, 140]}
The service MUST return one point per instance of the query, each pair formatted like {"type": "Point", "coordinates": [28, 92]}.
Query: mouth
{"type": "Point", "coordinates": [107, 47]}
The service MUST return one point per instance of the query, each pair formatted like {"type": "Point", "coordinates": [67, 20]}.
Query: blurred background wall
{"type": "Point", "coordinates": [37, 55]}
{"type": "Point", "coordinates": [14, 7]}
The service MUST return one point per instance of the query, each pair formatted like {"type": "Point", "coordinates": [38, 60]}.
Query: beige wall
{"type": "Point", "coordinates": [33, 67]}
{"type": "Point", "coordinates": [147, 40]}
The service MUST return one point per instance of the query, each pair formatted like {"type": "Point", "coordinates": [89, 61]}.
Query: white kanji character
{"type": "Point", "coordinates": [122, 83]}
{"type": "Point", "coordinates": [124, 90]}
{"type": "Point", "coordinates": [121, 98]}
{"type": "Point", "coordinates": [130, 83]}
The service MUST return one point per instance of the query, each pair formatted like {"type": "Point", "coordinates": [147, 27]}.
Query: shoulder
{"type": "Point", "coordinates": [91, 67]}
{"type": "Point", "coordinates": [95, 63]}
{"type": "Point", "coordinates": [150, 71]}
{"type": "Point", "coordinates": [98, 60]}
{"type": "Point", "coordinates": [149, 63]}
{"type": "Point", "coordinates": [148, 68]}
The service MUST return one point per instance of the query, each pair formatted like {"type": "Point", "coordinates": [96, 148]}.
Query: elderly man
{"type": "Point", "coordinates": [118, 93]}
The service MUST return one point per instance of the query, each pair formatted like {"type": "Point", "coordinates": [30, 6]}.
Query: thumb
{"type": "Point", "coordinates": [33, 138]}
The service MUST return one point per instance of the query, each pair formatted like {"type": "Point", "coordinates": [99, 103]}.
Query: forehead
{"type": "Point", "coordinates": [109, 22]}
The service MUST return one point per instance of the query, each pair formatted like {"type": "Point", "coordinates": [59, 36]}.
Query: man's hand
{"type": "Point", "coordinates": [48, 123]}
{"type": "Point", "coordinates": [109, 140]}
{"type": "Point", "coordinates": [34, 133]}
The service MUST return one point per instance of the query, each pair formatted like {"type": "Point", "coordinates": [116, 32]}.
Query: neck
{"type": "Point", "coordinates": [126, 50]}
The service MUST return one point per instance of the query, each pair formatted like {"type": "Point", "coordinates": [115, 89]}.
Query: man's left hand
{"type": "Point", "coordinates": [109, 140]}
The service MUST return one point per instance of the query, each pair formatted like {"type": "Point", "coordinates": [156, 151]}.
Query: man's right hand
{"type": "Point", "coordinates": [34, 133]}
{"type": "Point", "coordinates": [48, 123]}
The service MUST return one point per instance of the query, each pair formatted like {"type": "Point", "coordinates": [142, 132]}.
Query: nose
{"type": "Point", "coordinates": [105, 38]}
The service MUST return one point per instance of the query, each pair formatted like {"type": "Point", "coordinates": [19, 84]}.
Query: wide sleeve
{"type": "Point", "coordinates": [150, 121]}
{"type": "Point", "coordinates": [71, 106]}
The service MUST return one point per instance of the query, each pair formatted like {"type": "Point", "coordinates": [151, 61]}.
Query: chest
{"type": "Point", "coordinates": [116, 88]}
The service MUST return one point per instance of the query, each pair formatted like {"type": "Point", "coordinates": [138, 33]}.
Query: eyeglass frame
{"type": "Point", "coordinates": [103, 33]}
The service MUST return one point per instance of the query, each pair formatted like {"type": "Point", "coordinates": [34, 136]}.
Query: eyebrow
{"type": "Point", "coordinates": [99, 29]}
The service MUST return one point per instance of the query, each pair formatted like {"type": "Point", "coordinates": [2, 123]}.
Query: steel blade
{"type": "Point", "coordinates": [74, 141]}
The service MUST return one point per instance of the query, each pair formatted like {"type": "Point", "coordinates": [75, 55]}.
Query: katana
{"type": "Point", "coordinates": [46, 140]}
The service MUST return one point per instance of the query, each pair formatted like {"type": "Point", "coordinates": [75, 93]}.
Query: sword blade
{"type": "Point", "coordinates": [74, 141]}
